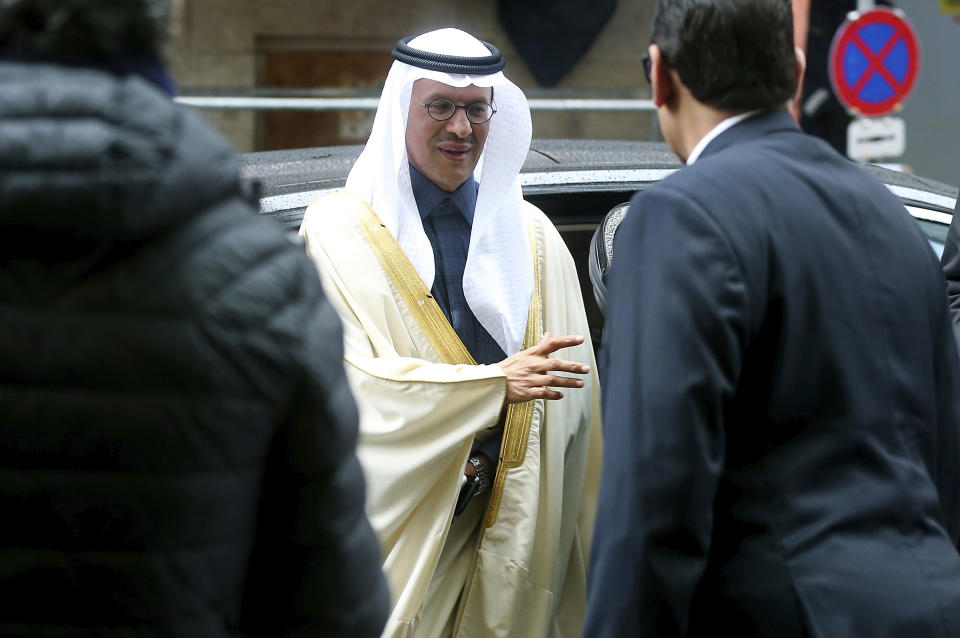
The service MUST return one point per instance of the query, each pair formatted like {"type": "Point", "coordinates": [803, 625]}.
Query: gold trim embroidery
{"type": "Point", "coordinates": [516, 428]}
{"type": "Point", "coordinates": [430, 317]}
{"type": "Point", "coordinates": [414, 292]}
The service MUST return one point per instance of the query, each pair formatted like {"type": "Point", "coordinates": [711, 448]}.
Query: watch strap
{"type": "Point", "coordinates": [467, 491]}
{"type": "Point", "coordinates": [483, 478]}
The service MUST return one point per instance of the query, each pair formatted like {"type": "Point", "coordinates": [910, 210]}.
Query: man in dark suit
{"type": "Point", "coordinates": [780, 400]}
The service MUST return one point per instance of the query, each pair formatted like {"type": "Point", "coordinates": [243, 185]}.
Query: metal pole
{"type": "Point", "coordinates": [280, 103]}
{"type": "Point", "coordinates": [547, 104]}
{"type": "Point", "coordinates": [370, 103]}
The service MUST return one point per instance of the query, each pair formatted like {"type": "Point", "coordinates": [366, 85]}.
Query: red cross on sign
{"type": "Point", "coordinates": [874, 59]}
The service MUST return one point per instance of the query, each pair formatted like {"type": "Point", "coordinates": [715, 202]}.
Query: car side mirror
{"type": "Point", "coordinates": [601, 252]}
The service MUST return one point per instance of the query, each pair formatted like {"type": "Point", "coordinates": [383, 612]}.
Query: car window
{"type": "Point", "coordinates": [934, 225]}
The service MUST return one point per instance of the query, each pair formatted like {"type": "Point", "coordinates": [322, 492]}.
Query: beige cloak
{"type": "Point", "coordinates": [418, 418]}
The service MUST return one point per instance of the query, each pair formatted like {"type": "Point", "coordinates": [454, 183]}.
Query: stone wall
{"type": "Point", "coordinates": [222, 44]}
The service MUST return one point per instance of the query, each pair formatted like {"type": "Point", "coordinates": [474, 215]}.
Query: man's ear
{"type": "Point", "coordinates": [799, 68]}
{"type": "Point", "coordinates": [660, 79]}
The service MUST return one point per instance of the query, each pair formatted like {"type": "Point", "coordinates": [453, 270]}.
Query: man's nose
{"type": "Point", "coordinates": [459, 124]}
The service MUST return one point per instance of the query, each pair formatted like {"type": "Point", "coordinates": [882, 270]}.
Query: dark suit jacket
{"type": "Point", "coordinates": [780, 422]}
{"type": "Point", "coordinates": [951, 268]}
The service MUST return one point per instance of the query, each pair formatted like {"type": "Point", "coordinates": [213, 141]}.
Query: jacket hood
{"type": "Point", "coordinates": [92, 154]}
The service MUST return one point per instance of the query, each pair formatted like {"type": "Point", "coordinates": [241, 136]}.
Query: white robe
{"type": "Point", "coordinates": [418, 419]}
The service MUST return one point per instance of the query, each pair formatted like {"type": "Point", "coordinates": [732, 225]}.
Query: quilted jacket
{"type": "Point", "coordinates": [176, 433]}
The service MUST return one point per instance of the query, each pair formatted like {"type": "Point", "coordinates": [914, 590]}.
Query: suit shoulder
{"type": "Point", "coordinates": [678, 210]}
{"type": "Point", "coordinates": [676, 194]}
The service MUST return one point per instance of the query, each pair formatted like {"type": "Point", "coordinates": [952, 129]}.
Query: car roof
{"type": "Point", "coordinates": [285, 182]}
{"type": "Point", "coordinates": [280, 171]}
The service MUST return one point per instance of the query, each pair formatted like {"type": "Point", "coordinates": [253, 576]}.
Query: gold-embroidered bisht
{"type": "Point", "coordinates": [422, 400]}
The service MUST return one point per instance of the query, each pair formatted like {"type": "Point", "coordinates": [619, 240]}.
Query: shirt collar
{"type": "Point", "coordinates": [716, 131]}
{"type": "Point", "coordinates": [428, 195]}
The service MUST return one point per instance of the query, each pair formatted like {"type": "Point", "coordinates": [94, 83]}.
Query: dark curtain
{"type": "Point", "coordinates": [552, 35]}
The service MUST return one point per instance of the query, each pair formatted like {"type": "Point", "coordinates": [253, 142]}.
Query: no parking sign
{"type": "Point", "coordinates": [874, 59]}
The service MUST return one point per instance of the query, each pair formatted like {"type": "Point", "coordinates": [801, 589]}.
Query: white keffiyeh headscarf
{"type": "Point", "coordinates": [498, 276]}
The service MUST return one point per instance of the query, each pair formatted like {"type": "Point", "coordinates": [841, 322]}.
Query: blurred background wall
{"type": "Point", "coordinates": [932, 114]}
{"type": "Point", "coordinates": [291, 44]}
{"type": "Point", "coordinates": [315, 47]}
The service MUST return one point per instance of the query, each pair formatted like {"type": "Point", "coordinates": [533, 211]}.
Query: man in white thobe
{"type": "Point", "coordinates": [482, 472]}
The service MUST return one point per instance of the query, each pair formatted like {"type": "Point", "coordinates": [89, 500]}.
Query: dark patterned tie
{"type": "Point", "coordinates": [452, 241]}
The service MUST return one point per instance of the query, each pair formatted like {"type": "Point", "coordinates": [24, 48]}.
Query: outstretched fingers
{"type": "Point", "coordinates": [550, 344]}
{"type": "Point", "coordinates": [546, 393]}
{"type": "Point", "coordinates": [531, 372]}
{"type": "Point", "coordinates": [554, 364]}
{"type": "Point", "coordinates": [555, 381]}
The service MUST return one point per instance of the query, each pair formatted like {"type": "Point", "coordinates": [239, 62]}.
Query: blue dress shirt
{"type": "Point", "coordinates": [447, 219]}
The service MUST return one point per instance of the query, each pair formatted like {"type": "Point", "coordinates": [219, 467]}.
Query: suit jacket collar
{"type": "Point", "coordinates": [758, 125]}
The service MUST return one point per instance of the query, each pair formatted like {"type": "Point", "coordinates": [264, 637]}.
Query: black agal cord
{"type": "Point", "coordinates": [482, 65]}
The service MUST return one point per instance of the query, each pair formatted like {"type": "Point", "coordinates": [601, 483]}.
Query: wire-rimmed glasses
{"type": "Point", "coordinates": [442, 109]}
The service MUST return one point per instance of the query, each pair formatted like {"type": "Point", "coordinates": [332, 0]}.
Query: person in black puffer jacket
{"type": "Point", "coordinates": [177, 438]}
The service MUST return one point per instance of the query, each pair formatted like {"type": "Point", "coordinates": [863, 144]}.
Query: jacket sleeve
{"type": "Point", "coordinates": [316, 566]}
{"type": "Point", "coordinates": [951, 268]}
{"type": "Point", "coordinates": [947, 445]}
{"type": "Point", "coordinates": [944, 463]}
{"type": "Point", "coordinates": [673, 341]}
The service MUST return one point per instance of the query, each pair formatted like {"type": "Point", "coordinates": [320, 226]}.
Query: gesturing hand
{"type": "Point", "coordinates": [529, 372]}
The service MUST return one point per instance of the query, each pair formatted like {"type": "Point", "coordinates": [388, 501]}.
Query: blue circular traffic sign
{"type": "Point", "coordinates": [874, 59]}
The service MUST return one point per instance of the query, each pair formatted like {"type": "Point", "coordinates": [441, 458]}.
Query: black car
{"type": "Point", "coordinates": [576, 183]}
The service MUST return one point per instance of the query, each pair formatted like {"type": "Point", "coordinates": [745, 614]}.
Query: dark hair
{"type": "Point", "coordinates": [85, 28]}
{"type": "Point", "coordinates": [733, 55]}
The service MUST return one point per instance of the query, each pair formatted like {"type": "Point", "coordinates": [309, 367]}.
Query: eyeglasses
{"type": "Point", "coordinates": [646, 67]}
{"type": "Point", "coordinates": [442, 109]}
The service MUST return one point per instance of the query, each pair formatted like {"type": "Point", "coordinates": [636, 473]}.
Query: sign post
{"type": "Point", "coordinates": [874, 60]}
